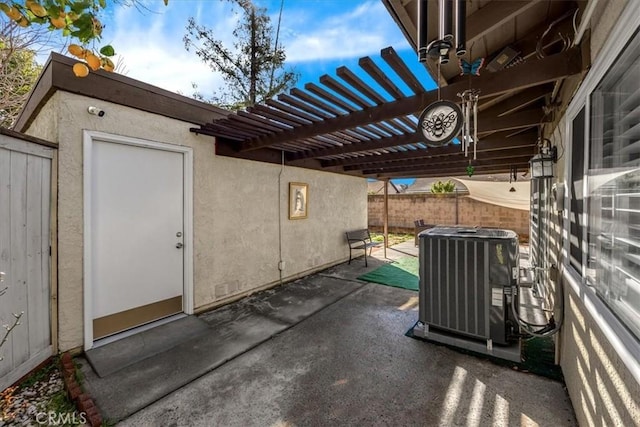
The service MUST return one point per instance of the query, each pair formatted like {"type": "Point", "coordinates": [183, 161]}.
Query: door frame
{"type": "Point", "coordinates": [89, 137]}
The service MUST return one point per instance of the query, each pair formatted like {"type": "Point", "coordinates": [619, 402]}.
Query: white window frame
{"type": "Point", "coordinates": [625, 344]}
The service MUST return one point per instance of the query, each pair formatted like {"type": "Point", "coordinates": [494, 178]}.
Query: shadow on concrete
{"type": "Point", "coordinates": [323, 350]}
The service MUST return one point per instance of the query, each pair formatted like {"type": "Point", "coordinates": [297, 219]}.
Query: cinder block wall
{"type": "Point", "coordinates": [404, 209]}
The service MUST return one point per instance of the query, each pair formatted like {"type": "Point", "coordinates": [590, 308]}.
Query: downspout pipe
{"type": "Point", "coordinates": [280, 213]}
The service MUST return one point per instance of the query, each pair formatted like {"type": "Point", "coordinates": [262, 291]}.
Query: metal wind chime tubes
{"type": "Point", "coordinates": [460, 16]}
{"type": "Point", "coordinates": [440, 122]}
{"type": "Point", "coordinates": [469, 106]}
{"type": "Point", "coordinates": [422, 30]}
{"type": "Point", "coordinates": [449, 11]}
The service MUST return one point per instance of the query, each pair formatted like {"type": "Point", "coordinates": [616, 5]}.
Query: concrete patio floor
{"type": "Point", "coordinates": [324, 350]}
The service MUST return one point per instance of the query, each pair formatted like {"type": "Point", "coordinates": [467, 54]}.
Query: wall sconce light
{"type": "Point", "coordinates": [542, 164]}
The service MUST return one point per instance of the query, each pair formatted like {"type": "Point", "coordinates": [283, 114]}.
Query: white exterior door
{"type": "Point", "coordinates": [137, 208]}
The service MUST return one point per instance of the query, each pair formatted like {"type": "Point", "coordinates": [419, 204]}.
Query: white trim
{"type": "Point", "coordinates": [584, 247]}
{"type": "Point", "coordinates": [566, 212]}
{"type": "Point", "coordinates": [88, 138]}
{"type": "Point", "coordinates": [626, 346]}
{"type": "Point", "coordinates": [625, 27]}
{"type": "Point", "coordinates": [188, 296]}
{"type": "Point", "coordinates": [87, 241]}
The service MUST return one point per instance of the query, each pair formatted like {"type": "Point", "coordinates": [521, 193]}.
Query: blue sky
{"type": "Point", "coordinates": [318, 36]}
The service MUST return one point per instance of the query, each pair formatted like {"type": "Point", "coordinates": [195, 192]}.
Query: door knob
{"type": "Point", "coordinates": [179, 245]}
{"type": "Point", "coordinates": [2, 274]}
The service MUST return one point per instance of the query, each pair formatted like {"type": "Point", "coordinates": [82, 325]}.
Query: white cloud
{"type": "Point", "coordinates": [152, 50]}
{"type": "Point", "coordinates": [361, 31]}
{"type": "Point", "coordinates": [151, 46]}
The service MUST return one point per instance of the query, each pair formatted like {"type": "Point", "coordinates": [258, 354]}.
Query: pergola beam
{"type": "Point", "coordinates": [517, 101]}
{"type": "Point", "coordinates": [523, 119]}
{"type": "Point", "coordinates": [520, 120]}
{"type": "Point", "coordinates": [452, 172]}
{"type": "Point", "coordinates": [391, 141]}
{"type": "Point", "coordinates": [456, 158]}
{"type": "Point", "coordinates": [495, 142]}
{"type": "Point", "coordinates": [459, 165]}
{"type": "Point", "coordinates": [494, 15]}
{"type": "Point", "coordinates": [538, 72]}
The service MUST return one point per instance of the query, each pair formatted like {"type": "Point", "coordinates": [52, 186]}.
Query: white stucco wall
{"type": "Point", "coordinates": [598, 376]}
{"type": "Point", "coordinates": [45, 126]}
{"type": "Point", "coordinates": [236, 210]}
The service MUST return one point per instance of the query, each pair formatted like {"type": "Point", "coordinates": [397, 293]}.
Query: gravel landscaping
{"type": "Point", "coordinates": [39, 400]}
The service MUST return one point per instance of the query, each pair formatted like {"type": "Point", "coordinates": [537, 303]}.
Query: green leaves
{"type": "Point", "coordinates": [79, 7]}
{"type": "Point", "coordinates": [440, 187]}
{"type": "Point", "coordinates": [19, 72]}
{"type": "Point", "coordinates": [54, 10]}
{"type": "Point", "coordinates": [78, 20]}
{"type": "Point", "coordinates": [107, 50]}
{"type": "Point", "coordinates": [84, 28]}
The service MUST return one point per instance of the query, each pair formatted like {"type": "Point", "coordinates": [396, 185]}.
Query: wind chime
{"type": "Point", "coordinates": [469, 105]}
{"type": "Point", "coordinates": [442, 121]}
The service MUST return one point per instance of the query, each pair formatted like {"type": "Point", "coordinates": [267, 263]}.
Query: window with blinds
{"type": "Point", "coordinates": [613, 180]}
{"type": "Point", "coordinates": [540, 223]}
{"type": "Point", "coordinates": [534, 223]}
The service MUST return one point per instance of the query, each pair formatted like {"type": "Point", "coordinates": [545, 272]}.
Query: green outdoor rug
{"type": "Point", "coordinates": [402, 273]}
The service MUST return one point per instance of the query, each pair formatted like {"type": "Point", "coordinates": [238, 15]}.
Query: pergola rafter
{"type": "Point", "coordinates": [344, 124]}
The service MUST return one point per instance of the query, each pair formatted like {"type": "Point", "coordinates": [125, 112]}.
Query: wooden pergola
{"type": "Point", "coordinates": [343, 124]}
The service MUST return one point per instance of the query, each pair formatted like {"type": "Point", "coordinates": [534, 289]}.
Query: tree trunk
{"type": "Point", "coordinates": [253, 77]}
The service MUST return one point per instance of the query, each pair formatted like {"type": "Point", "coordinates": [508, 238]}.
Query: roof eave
{"type": "Point", "coordinates": [57, 75]}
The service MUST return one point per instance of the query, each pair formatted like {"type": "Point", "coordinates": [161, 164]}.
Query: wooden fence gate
{"type": "Point", "coordinates": [25, 209]}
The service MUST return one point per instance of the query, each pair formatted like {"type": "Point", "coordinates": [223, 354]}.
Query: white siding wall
{"type": "Point", "coordinates": [25, 187]}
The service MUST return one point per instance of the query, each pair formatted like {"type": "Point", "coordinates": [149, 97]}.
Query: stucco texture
{"type": "Point", "coordinates": [602, 389]}
{"type": "Point", "coordinates": [604, 17]}
{"type": "Point", "coordinates": [235, 202]}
